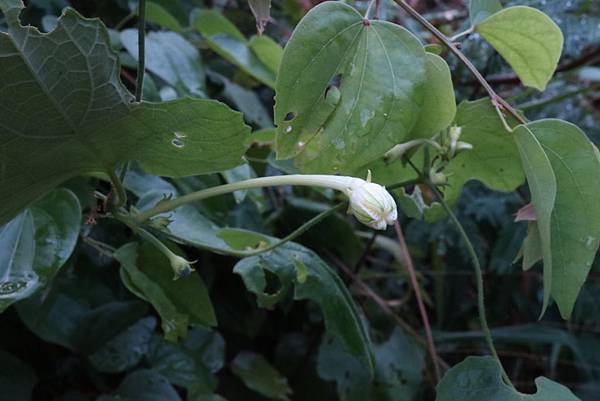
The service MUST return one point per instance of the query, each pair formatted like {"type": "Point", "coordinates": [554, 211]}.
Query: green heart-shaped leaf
{"type": "Point", "coordinates": [348, 89]}
{"type": "Point", "coordinates": [64, 112]}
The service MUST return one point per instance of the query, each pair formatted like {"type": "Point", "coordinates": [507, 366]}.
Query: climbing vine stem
{"type": "Point", "coordinates": [499, 103]}
{"type": "Point", "coordinates": [478, 277]}
{"type": "Point", "coordinates": [141, 50]}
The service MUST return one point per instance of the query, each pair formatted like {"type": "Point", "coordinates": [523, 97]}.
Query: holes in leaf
{"type": "Point", "coordinates": [273, 284]}
{"type": "Point", "coordinates": [289, 116]}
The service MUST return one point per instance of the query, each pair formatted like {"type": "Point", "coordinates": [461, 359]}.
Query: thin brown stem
{"type": "Point", "coordinates": [497, 101]}
{"type": "Point", "coordinates": [417, 290]}
{"type": "Point", "coordinates": [384, 306]}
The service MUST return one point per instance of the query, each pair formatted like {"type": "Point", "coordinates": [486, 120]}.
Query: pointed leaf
{"type": "Point", "coordinates": [542, 184]}
{"type": "Point", "coordinates": [528, 40]}
{"type": "Point", "coordinates": [347, 90]}
{"type": "Point", "coordinates": [148, 274]}
{"type": "Point", "coordinates": [78, 112]}
{"type": "Point", "coordinates": [576, 214]}
{"type": "Point", "coordinates": [262, 12]}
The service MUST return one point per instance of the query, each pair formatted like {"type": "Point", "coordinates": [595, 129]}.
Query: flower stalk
{"type": "Point", "coordinates": [370, 203]}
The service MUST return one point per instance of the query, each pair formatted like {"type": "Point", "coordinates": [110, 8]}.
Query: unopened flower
{"type": "Point", "coordinates": [181, 266]}
{"type": "Point", "coordinates": [372, 204]}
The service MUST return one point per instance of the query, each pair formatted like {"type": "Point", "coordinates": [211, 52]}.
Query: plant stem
{"type": "Point", "coordinates": [141, 50]}
{"type": "Point", "coordinates": [478, 276]}
{"type": "Point", "coordinates": [497, 101]}
{"type": "Point", "coordinates": [119, 189]}
{"type": "Point", "coordinates": [328, 181]}
{"type": "Point", "coordinates": [417, 290]}
{"type": "Point", "coordinates": [296, 233]}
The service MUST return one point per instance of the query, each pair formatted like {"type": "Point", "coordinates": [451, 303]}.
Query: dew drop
{"type": "Point", "coordinates": [179, 134]}
{"type": "Point", "coordinates": [301, 144]}
{"type": "Point", "coordinates": [178, 143]}
{"type": "Point", "coordinates": [288, 129]}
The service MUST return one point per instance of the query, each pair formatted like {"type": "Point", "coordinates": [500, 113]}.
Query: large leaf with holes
{"type": "Point", "coordinates": [542, 184]}
{"type": "Point", "coordinates": [575, 224]}
{"type": "Point", "coordinates": [148, 274]}
{"type": "Point", "coordinates": [36, 243]}
{"type": "Point", "coordinates": [347, 90]}
{"type": "Point", "coordinates": [479, 378]}
{"type": "Point", "coordinates": [528, 40]}
{"type": "Point", "coordinates": [61, 100]}
{"type": "Point", "coordinates": [298, 267]}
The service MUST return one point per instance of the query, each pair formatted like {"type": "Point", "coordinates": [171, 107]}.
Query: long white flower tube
{"type": "Point", "coordinates": [370, 203]}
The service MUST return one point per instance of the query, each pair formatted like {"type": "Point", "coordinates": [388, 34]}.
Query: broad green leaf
{"type": "Point", "coordinates": [575, 232]}
{"type": "Point", "coordinates": [146, 385]}
{"type": "Point", "coordinates": [148, 274]}
{"type": "Point", "coordinates": [481, 9]}
{"type": "Point", "coordinates": [494, 159]}
{"type": "Point", "coordinates": [80, 113]}
{"type": "Point", "coordinates": [528, 40]}
{"type": "Point", "coordinates": [17, 379]}
{"type": "Point", "coordinates": [347, 90]}
{"type": "Point", "coordinates": [171, 57]}
{"type": "Point", "coordinates": [439, 105]}
{"type": "Point", "coordinates": [227, 41]}
{"type": "Point", "coordinates": [258, 374]}
{"type": "Point", "coordinates": [399, 365]}
{"type": "Point", "coordinates": [36, 243]}
{"type": "Point", "coordinates": [126, 349]}
{"type": "Point", "coordinates": [321, 285]}
{"type": "Point", "coordinates": [479, 378]}
{"type": "Point", "coordinates": [542, 184]}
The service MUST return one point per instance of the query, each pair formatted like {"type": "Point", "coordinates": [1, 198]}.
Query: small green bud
{"type": "Point", "coordinates": [181, 266]}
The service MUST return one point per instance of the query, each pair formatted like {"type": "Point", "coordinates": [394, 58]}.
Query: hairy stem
{"type": "Point", "coordinates": [417, 290]}
{"type": "Point", "coordinates": [497, 101]}
{"type": "Point", "coordinates": [478, 276]}
{"type": "Point", "coordinates": [141, 50]}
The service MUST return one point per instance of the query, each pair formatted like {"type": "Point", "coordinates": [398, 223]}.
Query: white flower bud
{"type": "Point", "coordinates": [372, 205]}
{"type": "Point", "coordinates": [181, 266]}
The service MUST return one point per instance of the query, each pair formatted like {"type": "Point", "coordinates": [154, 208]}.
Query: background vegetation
{"type": "Point", "coordinates": [86, 336]}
